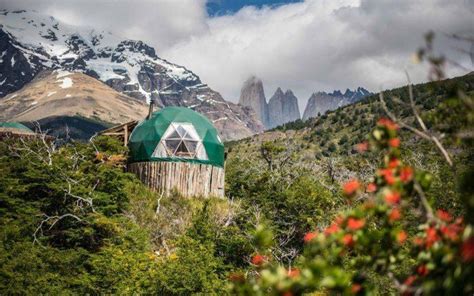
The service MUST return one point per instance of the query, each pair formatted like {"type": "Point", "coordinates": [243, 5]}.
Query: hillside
{"type": "Point", "coordinates": [61, 93]}
{"type": "Point", "coordinates": [326, 146]}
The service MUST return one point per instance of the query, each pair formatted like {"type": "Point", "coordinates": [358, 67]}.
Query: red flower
{"type": "Point", "coordinates": [395, 142]}
{"type": "Point", "coordinates": [338, 220]}
{"type": "Point", "coordinates": [258, 259]}
{"type": "Point", "coordinates": [422, 270]}
{"type": "Point", "coordinates": [362, 147]}
{"type": "Point", "coordinates": [387, 123]}
{"type": "Point", "coordinates": [393, 163]}
{"type": "Point", "coordinates": [355, 288]}
{"type": "Point", "coordinates": [371, 187]}
{"type": "Point", "coordinates": [293, 272]}
{"type": "Point", "coordinates": [333, 228]}
{"type": "Point", "coordinates": [467, 249]}
{"type": "Point", "coordinates": [451, 231]}
{"type": "Point", "coordinates": [351, 187]}
{"type": "Point", "coordinates": [443, 215]}
{"type": "Point", "coordinates": [394, 215]}
{"type": "Point", "coordinates": [392, 197]}
{"type": "Point", "coordinates": [355, 224]}
{"type": "Point", "coordinates": [309, 236]}
{"type": "Point", "coordinates": [388, 176]}
{"type": "Point", "coordinates": [410, 280]}
{"type": "Point", "coordinates": [418, 241]}
{"type": "Point", "coordinates": [431, 236]}
{"type": "Point", "coordinates": [287, 293]}
{"type": "Point", "coordinates": [401, 237]}
{"type": "Point", "coordinates": [406, 174]}
{"type": "Point", "coordinates": [348, 240]}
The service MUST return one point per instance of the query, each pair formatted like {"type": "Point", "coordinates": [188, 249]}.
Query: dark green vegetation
{"type": "Point", "coordinates": [75, 127]}
{"type": "Point", "coordinates": [72, 222]}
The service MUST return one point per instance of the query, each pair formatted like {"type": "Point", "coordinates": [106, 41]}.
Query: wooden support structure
{"type": "Point", "coordinates": [190, 179]}
{"type": "Point", "coordinates": [121, 131]}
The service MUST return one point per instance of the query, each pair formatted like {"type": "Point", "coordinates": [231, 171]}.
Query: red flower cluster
{"type": "Point", "coordinates": [387, 123]}
{"type": "Point", "coordinates": [401, 237]}
{"type": "Point", "coordinates": [388, 176]}
{"type": "Point", "coordinates": [394, 215]}
{"type": "Point", "coordinates": [355, 224]}
{"type": "Point", "coordinates": [371, 187]}
{"type": "Point", "coordinates": [392, 197]}
{"type": "Point", "coordinates": [431, 236]}
{"type": "Point", "coordinates": [362, 147]}
{"type": "Point", "coordinates": [394, 142]}
{"type": "Point", "coordinates": [393, 163]}
{"type": "Point", "coordinates": [310, 236]}
{"type": "Point", "coordinates": [422, 270]}
{"type": "Point", "coordinates": [467, 250]}
{"type": "Point", "coordinates": [348, 240]}
{"type": "Point", "coordinates": [351, 187]}
{"type": "Point", "coordinates": [444, 215]}
{"type": "Point", "coordinates": [258, 259]}
{"type": "Point", "coordinates": [333, 228]}
{"type": "Point", "coordinates": [406, 174]}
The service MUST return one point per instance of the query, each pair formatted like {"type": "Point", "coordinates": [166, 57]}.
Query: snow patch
{"type": "Point", "coordinates": [1, 83]}
{"type": "Point", "coordinates": [34, 103]}
{"type": "Point", "coordinates": [68, 96]}
{"type": "Point", "coordinates": [62, 73]}
{"type": "Point", "coordinates": [13, 61]}
{"type": "Point", "coordinates": [51, 93]}
{"type": "Point", "coordinates": [65, 82]}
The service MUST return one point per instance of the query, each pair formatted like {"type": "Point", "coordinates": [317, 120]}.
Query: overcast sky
{"type": "Point", "coordinates": [308, 46]}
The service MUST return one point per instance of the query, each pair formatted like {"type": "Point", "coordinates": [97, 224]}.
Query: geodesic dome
{"type": "Point", "coordinates": [176, 134]}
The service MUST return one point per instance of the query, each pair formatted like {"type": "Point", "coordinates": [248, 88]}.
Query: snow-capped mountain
{"type": "Point", "coordinates": [320, 102]}
{"type": "Point", "coordinates": [31, 42]}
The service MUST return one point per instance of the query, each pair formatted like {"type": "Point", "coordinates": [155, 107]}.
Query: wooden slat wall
{"type": "Point", "coordinates": [190, 179]}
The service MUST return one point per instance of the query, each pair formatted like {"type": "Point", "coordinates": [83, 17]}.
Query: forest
{"type": "Point", "coordinates": [372, 198]}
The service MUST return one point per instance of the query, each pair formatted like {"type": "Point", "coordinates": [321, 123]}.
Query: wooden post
{"type": "Point", "coordinates": [125, 135]}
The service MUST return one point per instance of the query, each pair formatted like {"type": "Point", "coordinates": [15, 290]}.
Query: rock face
{"type": "Point", "coordinates": [321, 102]}
{"type": "Point", "coordinates": [282, 108]}
{"type": "Point", "coordinates": [252, 95]}
{"type": "Point", "coordinates": [31, 42]}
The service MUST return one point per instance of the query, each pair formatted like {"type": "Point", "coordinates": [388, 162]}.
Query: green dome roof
{"type": "Point", "coordinates": [176, 134]}
{"type": "Point", "coordinates": [15, 125]}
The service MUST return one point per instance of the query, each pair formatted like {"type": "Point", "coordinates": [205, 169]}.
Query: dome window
{"type": "Point", "coordinates": [181, 140]}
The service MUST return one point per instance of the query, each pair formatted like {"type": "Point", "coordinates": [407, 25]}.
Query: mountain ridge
{"type": "Point", "coordinates": [31, 42]}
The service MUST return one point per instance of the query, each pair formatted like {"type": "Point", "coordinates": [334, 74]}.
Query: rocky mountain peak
{"type": "Point", "coordinates": [282, 108]}
{"type": "Point", "coordinates": [278, 92]}
{"type": "Point", "coordinates": [252, 95]}
{"type": "Point", "coordinates": [320, 102]}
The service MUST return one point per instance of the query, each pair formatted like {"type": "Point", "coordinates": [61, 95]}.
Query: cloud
{"type": "Point", "coordinates": [307, 46]}
{"type": "Point", "coordinates": [323, 44]}
{"type": "Point", "coordinates": [159, 22]}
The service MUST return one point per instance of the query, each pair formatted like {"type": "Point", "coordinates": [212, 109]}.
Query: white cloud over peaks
{"type": "Point", "coordinates": [161, 23]}
{"type": "Point", "coordinates": [308, 46]}
{"type": "Point", "coordinates": [322, 44]}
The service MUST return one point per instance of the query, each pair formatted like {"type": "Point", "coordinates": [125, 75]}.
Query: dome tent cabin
{"type": "Point", "coordinates": [14, 130]}
{"type": "Point", "coordinates": [178, 148]}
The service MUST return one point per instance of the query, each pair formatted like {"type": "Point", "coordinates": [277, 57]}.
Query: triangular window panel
{"type": "Point", "coordinates": [181, 140]}
{"type": "Point", "coordinates": [174, 135]}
